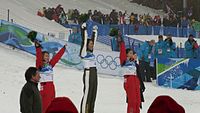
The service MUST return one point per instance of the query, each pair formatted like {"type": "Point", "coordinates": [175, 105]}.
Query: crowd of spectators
{"type": "Point", "coordinates": [114, 17]}
{"type": "Point", "coordinates": [170, 19]}
{"type": "Point", "coordinates": [57, 14]}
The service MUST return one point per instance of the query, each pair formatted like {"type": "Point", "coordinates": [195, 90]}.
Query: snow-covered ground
{"type": "Point", "coordinates": [177, 40]}
{"type": "Point", "coordinates": [68, 82]}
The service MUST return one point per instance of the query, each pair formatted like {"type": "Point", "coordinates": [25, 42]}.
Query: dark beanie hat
{"type": "Point", "coordinates": [128, 50]}
{"type": "Point", "coordinates": [191, 35]}
{"type": "Point", "coordinates": [165, 104]}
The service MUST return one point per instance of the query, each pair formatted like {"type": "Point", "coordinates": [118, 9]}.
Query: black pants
{"type": "Point", "coordinates": [145, 71]}
{"type": "Point", "coordinates": [90, 82]}
{"type": "Point", "coordinates": [153, 70]}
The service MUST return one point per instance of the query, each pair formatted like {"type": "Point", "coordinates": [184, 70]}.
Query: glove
{"type": "Point", "coordinates": [37, 44]}
{"type": "Point", "coordinates": [65, 45]}
{"type": "Point", "coordinates": [83, 26]}
{"type": "Point", "coordinates": [95, 27]}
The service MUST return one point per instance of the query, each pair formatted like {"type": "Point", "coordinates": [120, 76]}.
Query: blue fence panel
{"type": "Point", "coordinates": [132, 30]}
{"type": "Point", "coordinates": [105, 39]}
{"type": "Point", "coordinates": [71, 25]}
{"type": "Point", "coordinates": [142, 30]}
{"type": "Point", "coordinates": [170, 31]}
{"type": "Point", "coordinates": [185, 32]}
{"type": "Point", "coordinates": [192, 31]}
{"type": "Point", "coordinates": [138, 29]}
{"type": "Point", "coordinates": [156, 30]}
{"type": "Point", "coordinates": [149, 30]}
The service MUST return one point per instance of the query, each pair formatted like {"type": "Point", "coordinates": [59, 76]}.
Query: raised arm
{"type": "Point", "coordinates": [58, 56]}
{"type": "Point", "coordinates": [84, 40]}
{"type": "Point", "coordinates": [122, 52]}
{"type": "Point", "coordinates": [38, 55]}
{"type": "Point", "coordinates": [94, 34]}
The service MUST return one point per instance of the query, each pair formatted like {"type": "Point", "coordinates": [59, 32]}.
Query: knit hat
{"type": "Point", "coordinates": [165, 104]}
{"type": "Point", "coordinates": [191, 35]}
{"type": "Point", "coordinates": [61, 105]}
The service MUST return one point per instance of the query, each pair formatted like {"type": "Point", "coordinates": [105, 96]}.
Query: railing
{"type": "Point", "coordinates": [140, 30]}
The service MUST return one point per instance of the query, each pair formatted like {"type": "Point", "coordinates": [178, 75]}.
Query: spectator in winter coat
{"type": "Point", "coordinates": [132, 18]}
{"type": "Point", "coordinates": [142, 86]}
{"type": "Point", "coordinates": [184, 22]}
{"type": "Point", "coordinates": [146, 50]}
{"type": "Point", "coordinates": [157, 20]}
{"type": "Point", "coordinates": [121, 18]}
{"type": "Point", "coordinates": [145, 55]}
{"type": "Point", "coordinates": [159, 47]}
{"type": "Point", "coordinates": [45, 66]}
{"type": "Point", "coordinates": [113, 17]}
{"type": "Point", "coordinates": [75, 37]}
{"type": "Point", "coordinates": [170, 48]}
{"type": "Point", "coordinates": [107, 19]}
{"type": "Point", "coordinates": [40, 13]}
{"type": "Point", "coordinates": [30, 99]}
{"type": "Point", "coordinates": [191, 47]}
{"type": "Point", "coordinates": [126, 18]}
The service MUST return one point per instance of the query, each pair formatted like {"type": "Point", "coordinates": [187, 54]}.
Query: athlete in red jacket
{"type": "Point", "coordinates": [45, 67]}
{"type": "Point", "coordinates": [131, 80]}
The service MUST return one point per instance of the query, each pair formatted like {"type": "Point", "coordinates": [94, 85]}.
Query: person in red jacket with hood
{"type": "Point", "coordinates": [61, 105]}
{"type": "Point", "coordinates": [131, 80]}
{"type": "Point", "coordinates": [165, 104]}
{"type": "Point", "coordinates": [45, 67]}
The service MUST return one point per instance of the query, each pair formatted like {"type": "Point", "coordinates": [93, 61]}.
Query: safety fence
{"type": "Point", "coordinates": [128, 29]}
{"type": "Point", "coordinates": [103, 32]}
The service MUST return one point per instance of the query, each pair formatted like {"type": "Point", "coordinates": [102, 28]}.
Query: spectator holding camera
{"type": "Point", "coordinates": [170, 47]}
{"type": "Point", "coordinates": [191, 47]}
{"type": "Point", "coordinates": [159, 47]}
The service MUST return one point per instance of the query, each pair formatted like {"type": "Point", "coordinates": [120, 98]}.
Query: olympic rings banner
{"type": "Point", "coordinates": [108, 62]}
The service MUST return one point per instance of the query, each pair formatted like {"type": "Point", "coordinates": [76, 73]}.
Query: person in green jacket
{"type": "Point", "coordinates": [30, 99]}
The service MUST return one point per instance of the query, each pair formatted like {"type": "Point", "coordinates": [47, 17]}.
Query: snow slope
{"type": "Point", "coordinates": [68, 82]}
{"type": "Point", "coordinates": [24, 12]}
{"type": "Point", "coordinates": [104, 5]}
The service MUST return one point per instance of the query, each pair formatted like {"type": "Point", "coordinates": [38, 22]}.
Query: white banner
{"type": "Point", "coordinates": [108, 62]}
